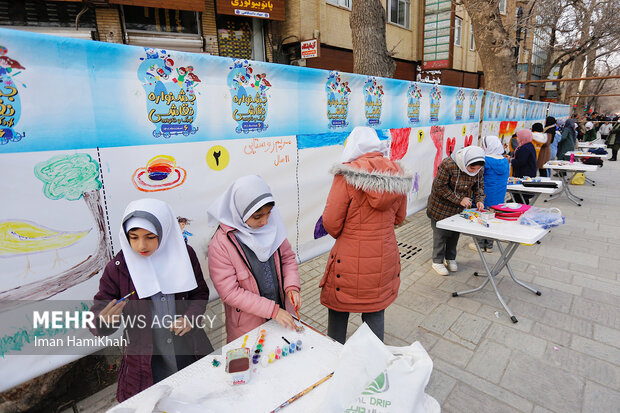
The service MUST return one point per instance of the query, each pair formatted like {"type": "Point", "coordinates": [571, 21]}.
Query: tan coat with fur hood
{"type": "Point", "coordinates": [367, 198]}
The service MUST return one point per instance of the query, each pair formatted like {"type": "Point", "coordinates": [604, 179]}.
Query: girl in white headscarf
{"type": "Point", "coordinates": [155, 278]}
{"type": "Point", "coordinates": [457, 185]}
{"type": "Point", "coordinates": [251, 262]}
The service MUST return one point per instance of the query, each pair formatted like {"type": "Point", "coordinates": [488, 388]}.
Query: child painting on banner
{"type": "Point", "coordinates": [251, 261]}
{"type": "Point", "coordinates": [457, 185]}
{"type": "Point", "coordinates": [496, 172]}
{"type": "Point", "coordinates": [164, 275]}
{"type": "Point", "coordinates": [368, 197]}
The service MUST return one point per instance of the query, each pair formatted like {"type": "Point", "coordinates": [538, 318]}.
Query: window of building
{"type": "Point", "coordinates": [341, 3]}
{"type": "Point", "coordinates": [472, 39]}
{"type": "Point", "coordinates": [151, 19]}
{"type": "Point", "coordinates": [40, 13]}
{"type": "Point", "coordinates": [162, 28]}
{"type": "Point", "coordinates": [399, 12]}
{"type": "Point", "coordinates": [502, 6]}
{"type": "Point", "coordinates": [458, 30]}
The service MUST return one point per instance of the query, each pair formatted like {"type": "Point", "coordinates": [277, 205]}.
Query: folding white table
{"type": "Point", "coordinates": [579, 154]}
{"type": "Point", "coordinates": [535, 191]}
{"type": "Point", "coordinates": [566, 166]}
{"type": "Point", "coordinates": [588, 145]}
{"type": "Point", "coordinates": [510, 232]}
{"type": "Point", "coordinates": [204, 387]}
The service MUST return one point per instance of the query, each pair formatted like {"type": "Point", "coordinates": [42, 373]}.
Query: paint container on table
{"type": "Point", "coordinates": [255, 358]}
{"type": "Point", "coordinates": [298, 345]}
{"type": "Point", "coordinates": [278, 353]}
{"type": "Point", "coordinates": [292, 348]}
{"type": "Point", "coordinates": [238, 365]}
{"type": "Point", "coordinates": [284, 351]}
{"type": "Point", "coordinates": [572, 157]}
{"type": "Point", "coordinates": [272, 357]}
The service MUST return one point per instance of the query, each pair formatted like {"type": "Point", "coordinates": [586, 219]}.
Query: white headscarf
{"type": "Point", "coordinates": [243, 198]}
{"type": "Point", "coordinates": [492, 146]}
{"type": "Point", "coordinates": [589, 125]}
{"type": "Point", "coordinates": [169, 268]}
{"type": "Point", "coordinates": [466, 156]}
{"type": "Point", "coordinates": [362, 140]}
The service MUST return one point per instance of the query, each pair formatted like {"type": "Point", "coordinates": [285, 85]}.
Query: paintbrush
{"type": "Point", "coordinates": [295, 306]}
{"type": "Point", "coordinates": [125, 297]}
{"type": "Point", "coordinates": [302, 393]}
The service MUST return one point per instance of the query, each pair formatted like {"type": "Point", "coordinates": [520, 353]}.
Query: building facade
{"type": "Point", "coordinates": [430, 40]}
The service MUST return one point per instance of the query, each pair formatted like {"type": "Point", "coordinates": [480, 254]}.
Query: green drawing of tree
{"type": "Point", "coordinates": [71, 177]}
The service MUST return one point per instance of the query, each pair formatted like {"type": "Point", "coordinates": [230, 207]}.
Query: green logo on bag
{"type": "Point", "coordinates": [378, 385]}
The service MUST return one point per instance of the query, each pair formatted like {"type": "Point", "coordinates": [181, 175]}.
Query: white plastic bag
{"type": "Point", "coordinates": [373, 377]}
{"type": "Point", "coordinates": [543, 217]}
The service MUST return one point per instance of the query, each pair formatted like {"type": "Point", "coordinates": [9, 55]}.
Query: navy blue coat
{"type": "Point", "coordinates": [524, 162]}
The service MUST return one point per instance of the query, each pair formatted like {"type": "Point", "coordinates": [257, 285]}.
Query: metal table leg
{"type": "Point", "coordinates": [506, 255]}
{"type": "Point", "coordinates": [566, 190]}
{"type": "Point", "coordinates": [590, 181]}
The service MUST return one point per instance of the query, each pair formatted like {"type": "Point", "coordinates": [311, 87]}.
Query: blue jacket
{"type": "Point", "coordinates": [524, 162]}
{"type": "Point", "coordinates": [496, 173]}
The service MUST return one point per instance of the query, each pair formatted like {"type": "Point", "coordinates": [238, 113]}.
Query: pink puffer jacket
{"type": "Point", "coordinates": [244, 307]}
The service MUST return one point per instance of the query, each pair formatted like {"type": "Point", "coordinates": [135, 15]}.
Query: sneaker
{"type": "Point", "coordinates": [488, 249]}
{"type": "Point", "coordinates": [472, 246]}
{"type": "Point", "coordinates": [451, 265]}
{"type": "Point", "coordinates": [439, 268]}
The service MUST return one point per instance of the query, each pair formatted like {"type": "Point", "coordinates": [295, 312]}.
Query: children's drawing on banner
{"type": "Point", "coordinates": [435, 100]}
{"type": "Point", "coordinates": [414, 96]}
{"type": "Point", "coordinates": [373, 101]}
{"type": "Point", "coordinates": [249, 97]}
{"type": "Point", "coordinates": [10, 103]}
{"type": "Point", "coordinates": [23, 238]}
{"type": "Point", "coordinates": [469, 140]}
{"type": "Point", "coordinates": [437, 137]}
{"type": "Point", "coordinates": [460, 99]}
{"type": "Point", "coordinates": [400, 143]}
{"type": "Point", "coordinates": [278, 147]}
{"type": "Point", "coordinates": [170, 94]}
{"type": "Point", "coordinates": [450, 146]}
{"type": "Point", "coordinates": [473, 99]}
{"type": "Point", "coordinates": [72, 177]}
{"type": "Point", "coordinates": [160, 174]}
{"type": "Point", "coordinates": [337, 100]}
{"type": "Point", "coordinates": [509, 103]}
{"type": "Point", "coordinates": [416, 186]}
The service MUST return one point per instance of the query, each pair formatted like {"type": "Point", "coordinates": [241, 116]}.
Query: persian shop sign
{"type": "Point", "coordinates": [309, 48]}
{"type": "Point", "coordinates": [262, 9]}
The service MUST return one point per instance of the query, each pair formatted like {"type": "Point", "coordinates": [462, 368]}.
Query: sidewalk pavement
{"type": "Point", "coordinates": [562, 356]}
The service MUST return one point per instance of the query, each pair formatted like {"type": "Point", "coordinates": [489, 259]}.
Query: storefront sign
{"type": "Point", "coordinates": [437, 44]}
{"type": "Point", "coordinates": [262, 9]}
{"type": "Point", "coordinates": [309, 48]}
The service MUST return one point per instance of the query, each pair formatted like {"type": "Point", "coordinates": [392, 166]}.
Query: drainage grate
{"type": "Point", "coordinates": [408, 251]}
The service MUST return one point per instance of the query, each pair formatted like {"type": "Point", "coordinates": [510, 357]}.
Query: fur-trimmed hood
{"type": "Point", "coordinates": [380, 179]}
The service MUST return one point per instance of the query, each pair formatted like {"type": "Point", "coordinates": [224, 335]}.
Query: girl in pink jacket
{"type": "Point", "coordinates": [251, 262]}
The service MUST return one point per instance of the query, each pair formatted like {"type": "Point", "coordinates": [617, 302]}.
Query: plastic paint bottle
{"type": "Point", "coordinates": [572, 157]}
{"type": "Point", "coordinates": [298, 345]}
{"type": "Point", "coordinates": [292, 348]}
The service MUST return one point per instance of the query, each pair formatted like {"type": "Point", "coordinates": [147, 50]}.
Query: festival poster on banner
{"type": "Point", "coordinates": [505, 115]}
{"type": "Point", "coordinates": [137, 122]}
